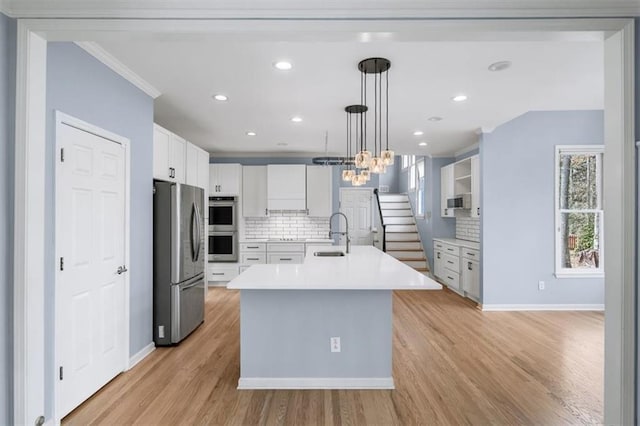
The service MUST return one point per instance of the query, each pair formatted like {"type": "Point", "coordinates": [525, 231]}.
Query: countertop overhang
{"type": "Point", "coordinates": [364, 268]}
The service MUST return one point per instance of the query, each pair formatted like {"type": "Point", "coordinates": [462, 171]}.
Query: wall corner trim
{"type": "Point", "coordinates": [142, 354]}
{"type": "Point", "coordinates": [95, 50]}
{"type": "Point", "coordinates": [542, 307]}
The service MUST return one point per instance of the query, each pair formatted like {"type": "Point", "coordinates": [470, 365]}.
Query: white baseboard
{"type": "Point", "coordinates": [316, 383]}
{"type": "Point", "coordinates": [544, 307]}
{"type": "Point", "coordinates": [142, 354]}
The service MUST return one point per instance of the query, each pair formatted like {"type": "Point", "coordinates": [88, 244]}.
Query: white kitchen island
{"type": "Point", "coordinates": [290, 313]}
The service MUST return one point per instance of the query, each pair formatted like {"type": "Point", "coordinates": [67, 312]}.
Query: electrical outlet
{"type": "Point", "coordinates": [161, 331]}
{"type": "Point", "coordinates": [335, 344]}
{"type": "Point", "coordinates": [540, 285]}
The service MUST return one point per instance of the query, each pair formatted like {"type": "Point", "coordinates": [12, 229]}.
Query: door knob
{"type": "Point", "coordinates": [121, 270]}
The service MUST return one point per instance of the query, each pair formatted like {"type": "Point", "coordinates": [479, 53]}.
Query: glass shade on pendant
{"type": "Point", "coordinates": [376, 165]}
{"type": "Point", "coordinates": [366, 175]}
{"type": "Point", "coordinates": [361, 179]}
{"type": "Point", "coordinates": [347, 175]}
{"type": "Point", "coordinates": [363, 159]}
{"type": "Point", "coordinates": [387, 157]}
{"type": "Point", "coordinates": [383, 168]}
{"type": "Point", "coordinates": [355, 180]}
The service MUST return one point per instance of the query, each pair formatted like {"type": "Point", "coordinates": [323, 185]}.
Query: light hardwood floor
{"type": "Point", "coordinates": [452, 365]}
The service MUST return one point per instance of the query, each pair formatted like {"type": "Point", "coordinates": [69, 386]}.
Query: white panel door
{"type": "Point", "coordinates": [356, 204]}
{"type": "Point", "coordinates": [90, 242]}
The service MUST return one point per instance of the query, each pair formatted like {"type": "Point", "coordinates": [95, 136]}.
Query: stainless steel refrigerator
{"type": "Point", "coordinates": [178, 261]}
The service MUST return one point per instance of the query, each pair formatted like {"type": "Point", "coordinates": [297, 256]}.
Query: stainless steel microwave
{"type": "Point", "coordinates": [462, 201]}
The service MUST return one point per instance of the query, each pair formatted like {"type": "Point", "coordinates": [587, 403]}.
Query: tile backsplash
{"type": "Point", "coordinates": [295, 225]}
{"type": "Point", "coordinates": [468, 228]}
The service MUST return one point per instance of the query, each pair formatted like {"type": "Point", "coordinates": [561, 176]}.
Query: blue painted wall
{"type": "Point", "coordinates": [7, 138]}
{"type": "Point", "coordinates": [81, 86]}
{"type": "Point", "coordinates": [518, 243]}
{"type": "Point", "coordinates": [432, 225]}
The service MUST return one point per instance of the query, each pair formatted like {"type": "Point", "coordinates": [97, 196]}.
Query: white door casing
{"type": "Point", "coordinates": [91, 294]}
{"type": "Point", "coordinates": [356, 204]}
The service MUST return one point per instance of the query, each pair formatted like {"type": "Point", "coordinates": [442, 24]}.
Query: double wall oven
{"type": "Point", "coordinates": [223, 229]}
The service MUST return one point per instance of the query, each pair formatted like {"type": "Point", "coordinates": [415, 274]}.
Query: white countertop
{"type": "Point", "coordinates": [461, 243]}
{"type": "Point", "coordinates": [365, 268]}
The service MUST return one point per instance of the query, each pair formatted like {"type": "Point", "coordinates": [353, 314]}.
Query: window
{"type": "Point", "coordinates": [579, 215]}
{"type": "Point", "coordinates": [407, 160]}
{"type": "Point", "coordinates": [415, 182]}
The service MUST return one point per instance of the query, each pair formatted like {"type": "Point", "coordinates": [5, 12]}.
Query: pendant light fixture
{"type": "Point", "coordinates": [376, 67]}
{"type": "Point", "coordinates": [355, 129]}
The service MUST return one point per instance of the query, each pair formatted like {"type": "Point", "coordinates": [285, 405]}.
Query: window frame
{"type": "Point", "coordinates": [559, 270]}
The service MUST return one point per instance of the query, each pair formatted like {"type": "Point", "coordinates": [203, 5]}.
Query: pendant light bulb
{"type": "Point", "coordinates": [355, 180]}
{"type": "Point", "coordinates": [347, 174]}
{"type": "Point", "coordinates": [363, 159]}
{"type": "Point", "coordinates": [376, 165]}
{"type": "Point", "coordinates": [387, 157]}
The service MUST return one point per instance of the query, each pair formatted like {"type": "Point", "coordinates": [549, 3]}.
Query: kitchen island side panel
{"type": "Point", "coordinates": [286, 333]}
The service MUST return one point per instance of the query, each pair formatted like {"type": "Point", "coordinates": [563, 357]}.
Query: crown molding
{"type": "Point", "coordinates": [467, 149]}
{"type": "Point", "coordinates": [319, 9]}
{"type": "Point", "coordinates": [4, 8]}
{"type": "Point", "coordinates": [109, 60]}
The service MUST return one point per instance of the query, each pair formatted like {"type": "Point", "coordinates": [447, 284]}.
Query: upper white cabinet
{"type": "Point", "coordinates": [254, 191]}
{"type": "Point", "coordinates": [319, 191]}
{"type": "Point", "coordinates": [475, 186]}
{"type": "Point", "coordinates": [286, 187]}
{"type": "Point", "coordinates": [169, 151]}
{"type": "Point", "coordinates": [446, 190]}
{"type": "Point", "coordinates": [224, 179]}
{"type": "Point", "coordinates": [460, 178]}
{"type": "Point", "coordinates": [197, 169]}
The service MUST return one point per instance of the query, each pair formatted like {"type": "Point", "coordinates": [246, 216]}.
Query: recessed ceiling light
{"type": "Point", "coordinates": [283, 65]}
{"type": "Point", "coordinates": [418, 133]}
{"type": "Point", "coordinates": [220, 97]}
{"type": "Point", "coordinates": [459, 98]}
{"type": "Point", "coordinates": [296, 119]}
{"type": "Point", "coordinates": [435, 118]}
{"type": "Point", "coordinates": [251, 133]}
{"type": "Point", "coordinates": [422, 144]}
{"type": "Point", "coordinates": [282, 144]}
{"type": "Point", "coordinates": [499, 66]}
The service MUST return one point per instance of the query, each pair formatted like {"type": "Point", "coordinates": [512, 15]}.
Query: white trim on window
{"type": "Point", "coordinates": [560, 271]}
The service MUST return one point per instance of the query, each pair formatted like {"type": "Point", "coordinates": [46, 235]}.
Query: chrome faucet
{"type": "Point", "coordinates": [346, 233]}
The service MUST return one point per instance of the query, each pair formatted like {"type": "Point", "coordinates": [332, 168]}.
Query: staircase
{"type": "Point", "coordinates": [401, 233]}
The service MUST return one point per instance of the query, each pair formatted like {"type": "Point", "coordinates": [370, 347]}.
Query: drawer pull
{"type": "Point", "coordinates": [469, 266]}
{"type": "Point", "coordinates": [253, 247]}
{"type": "Point", "coordinates": [217, 273]}
{"type": "Point", "coordinates": [286, 258]}
{"type": "Point", "coordinates": [449, 277]}
{"type": "Point", "coordinates": [253, 258]}
{"type": "Point", "coordinates": [449, 249]}
{"type": "Point", "coordinates": [449, 262]}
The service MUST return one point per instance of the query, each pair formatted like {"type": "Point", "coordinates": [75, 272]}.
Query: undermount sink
{"type": "Point", "coordinates": [328, 253]}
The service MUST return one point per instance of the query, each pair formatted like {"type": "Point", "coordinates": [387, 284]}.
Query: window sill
{"type": "Point", "coordinates": [561, 275]}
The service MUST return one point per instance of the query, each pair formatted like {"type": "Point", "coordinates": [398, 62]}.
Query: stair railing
{"type": "Point", "coordinates": [384, 227]}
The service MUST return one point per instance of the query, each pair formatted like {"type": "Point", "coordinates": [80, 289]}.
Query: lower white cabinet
{"type": "Point", "coordinates": [471, 273]}
{"type": "Point", "coordinates": [457, 267]}
{"type": "Point", "coordinates": [222, 272]}
{"type": "Point", "coordinates": [285, 252]}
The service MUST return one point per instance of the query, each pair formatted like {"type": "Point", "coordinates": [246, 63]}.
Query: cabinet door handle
{"type": "Point", "coordinates": [438, 255]}
{"type": "Point", "coordinates": [478, 211]}
{"type": "Point", "coordinates": [469, 266]}
{"type": "Point", "coordinates": [266, 212]}
{"type": "Point", "coordinates": [286, 258]}
{"type": "Point", "coordinates": [253, 258]}
{"type": "Point", "coordinates": [252, 247]}
{"type": "Point", "coordinates": [446, 212]}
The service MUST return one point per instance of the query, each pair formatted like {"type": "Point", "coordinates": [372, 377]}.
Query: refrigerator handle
{"type": "Point", "coordinates": [199, 222]}
{"type": "Point", "coordinates": [194, 230]}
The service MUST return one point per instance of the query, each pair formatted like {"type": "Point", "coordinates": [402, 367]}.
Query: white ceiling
{"type": "Point", "coordinates": [545, 75]}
